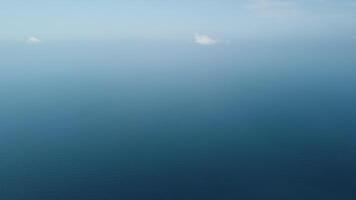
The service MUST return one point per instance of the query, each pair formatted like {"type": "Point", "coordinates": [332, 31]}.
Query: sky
{"type": "Point", "coordinates": [177, 99]}
{"type": "Point", "coordinates": [168, 20]}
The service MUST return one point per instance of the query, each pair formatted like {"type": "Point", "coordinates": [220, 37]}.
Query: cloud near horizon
{"type": "Point", "coordinates": [33, 40]}
{"type": "Point", "coordinates": [205, 40]}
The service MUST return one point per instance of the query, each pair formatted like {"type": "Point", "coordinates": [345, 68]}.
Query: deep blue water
{"type": "Point", "coordinates": [90, 121]}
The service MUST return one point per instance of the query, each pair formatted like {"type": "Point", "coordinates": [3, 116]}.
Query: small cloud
{"type": "Point", "coordinates": [33, 40]}
{"type": "Point", "coordinates": [205, 40]}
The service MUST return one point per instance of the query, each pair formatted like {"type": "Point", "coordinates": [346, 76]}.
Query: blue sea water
{"type": "Point", "coordinates": [154, 120]}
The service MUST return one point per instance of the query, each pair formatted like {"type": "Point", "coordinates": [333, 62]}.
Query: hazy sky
{"type": "Point", "coordinates": [176, 20]}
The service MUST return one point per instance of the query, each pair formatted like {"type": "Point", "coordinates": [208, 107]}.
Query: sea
{"type": "Point", "coordinates": [168, 120]}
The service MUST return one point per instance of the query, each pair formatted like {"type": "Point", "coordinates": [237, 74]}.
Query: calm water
{"type": "Point", "coordinates": [176, 121]}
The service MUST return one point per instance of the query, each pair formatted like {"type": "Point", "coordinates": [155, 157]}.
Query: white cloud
{"type": "Point", "coordinates": [205, 39]}
{"type": "Point", "coordinates": [33, 40]}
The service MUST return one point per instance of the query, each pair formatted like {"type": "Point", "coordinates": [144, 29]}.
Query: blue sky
{"type": "Point", "coordinates": [225, 20]}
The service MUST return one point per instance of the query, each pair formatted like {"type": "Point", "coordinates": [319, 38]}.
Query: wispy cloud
{"type": "Point", "coordinates": [33, 40]}
{"type": "Point", "coordinates": [273, 7]}
{"type": "Point", "coordinates": [205, 39]}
